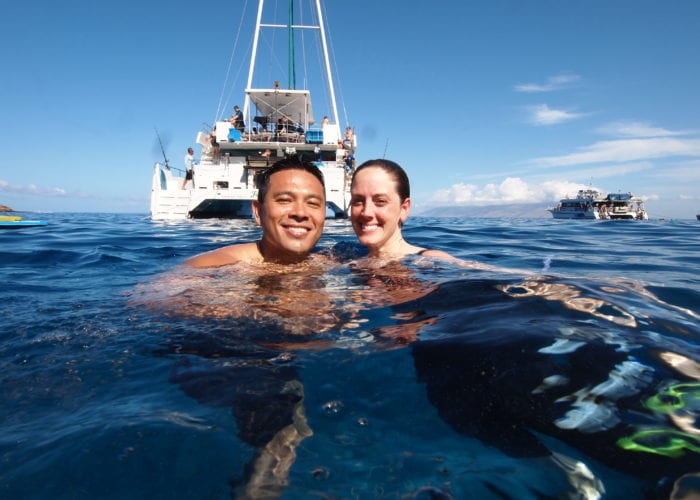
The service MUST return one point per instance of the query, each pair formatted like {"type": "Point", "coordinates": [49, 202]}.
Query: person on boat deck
{"type": "Point", "coordinates": [290, 209]}
{"type": "Point", "coordinates": [237, 119]}
{"type": "Point", "coordinates": [324, 122]}
{"type": "Point", "coordinates": [189, 167]}
{"type": "Point", "coordinates": [349, 137]}
{"type": "Point", "coordinates": [282, 124]}
{"type": "Point", "coordinates": [349, 161]}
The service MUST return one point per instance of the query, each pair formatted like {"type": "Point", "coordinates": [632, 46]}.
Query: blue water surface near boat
{"type": "Point", "coordinates": [120, 377]}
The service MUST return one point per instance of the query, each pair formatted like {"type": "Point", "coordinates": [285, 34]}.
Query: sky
{"type": "Point", "coordinates": [483, 102]}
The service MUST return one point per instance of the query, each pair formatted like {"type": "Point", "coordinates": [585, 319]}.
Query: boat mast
{"type": "Point", "coordinates": [292, 83]}
{"type": "Point", "coordinates": [328, 64]}
{"type": "Point", "coordinates": [290, 47]}
{"type": "Point", "coordinates": [256, 37]}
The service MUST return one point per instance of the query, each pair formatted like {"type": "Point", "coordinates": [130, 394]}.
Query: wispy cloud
{"type": "Point", "coordinates": [553, 83]}
{"type": "Point", "coordinates": [687, 173]}
{"type": "Point", "coordinates": [511, 190]}
{"type": "Point", "coordinates": [31, 189]}
{"type": "Point", "coordinates": [607, 171]}
{"type": "Point", "coordinates": [624, 150]}
{"type": "Point", "coordinates": [544, 115]}
{"type": "Point", "coordinates": [636, 129]}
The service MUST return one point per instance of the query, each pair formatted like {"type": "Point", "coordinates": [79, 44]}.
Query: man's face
{"type": "Point", "coordinates": [291, 215]}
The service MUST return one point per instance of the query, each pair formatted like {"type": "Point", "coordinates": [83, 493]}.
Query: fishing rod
{"type": "Point", "coordinates": [162, 149]}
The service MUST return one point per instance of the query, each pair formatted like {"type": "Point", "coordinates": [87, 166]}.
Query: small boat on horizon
{"type": "Point", "coordinates": [592, 204]}
{"type": "Point", "coordinates": [277, 123]}
{"type": "Point", "coordinates": [18, 222]}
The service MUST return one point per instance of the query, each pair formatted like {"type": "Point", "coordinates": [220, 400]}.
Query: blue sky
{"type": "Point", "coordinates": [483, 102]}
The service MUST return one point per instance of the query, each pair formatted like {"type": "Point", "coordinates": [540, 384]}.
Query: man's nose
{"type": "Point", "coordinates": [299, 210]}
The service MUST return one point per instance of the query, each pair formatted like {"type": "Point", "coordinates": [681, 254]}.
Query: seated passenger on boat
{"type": "Point", "coordinates": [237, 119]}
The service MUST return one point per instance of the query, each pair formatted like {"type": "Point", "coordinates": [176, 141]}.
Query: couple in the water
{"type": "Point", "coordinates": [512, 385]}
{"type": "Point", "coordinates": [291, 210]}
{"type": "Point", "coordinates": [268, 398]}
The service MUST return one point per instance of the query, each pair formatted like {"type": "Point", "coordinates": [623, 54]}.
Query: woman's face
{"type": "Point", "coordinates": [376, 210]}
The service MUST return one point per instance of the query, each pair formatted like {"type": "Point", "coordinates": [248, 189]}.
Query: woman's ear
{"type": "Point", "coordinates": [405, 210]}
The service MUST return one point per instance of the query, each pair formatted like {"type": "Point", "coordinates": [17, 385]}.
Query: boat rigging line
{"type": "Point", "coordinates": [223, 102]}
{"type": "Point", "coordinates": [162, 149]}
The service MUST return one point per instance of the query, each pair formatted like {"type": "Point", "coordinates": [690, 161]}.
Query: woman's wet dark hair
{"type": "Point", "coordinates": [403, 187]}
{"type": "Point", "coordinates": [262, 180]}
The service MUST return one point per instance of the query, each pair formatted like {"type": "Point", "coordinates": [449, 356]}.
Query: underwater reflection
{"type": "Point", "coordinates": [578, 372]}
{"type": "Point", "coordinates": [587, 375]}
{"type": "Point", "coordinates": [244, 322]}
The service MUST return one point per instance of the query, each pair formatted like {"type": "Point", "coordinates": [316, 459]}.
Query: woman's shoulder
{"type": "Point", "coordinates": [429, 252]}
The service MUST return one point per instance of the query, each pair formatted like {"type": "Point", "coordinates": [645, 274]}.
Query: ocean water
{"type": "Point", "coordinates": [124, 376]}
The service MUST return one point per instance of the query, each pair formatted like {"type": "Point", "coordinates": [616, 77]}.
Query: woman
{"type": "Point", "coordinates": [379, 205]}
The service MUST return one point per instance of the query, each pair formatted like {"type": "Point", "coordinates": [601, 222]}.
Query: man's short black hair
{"type": "Point", "coordinates": [262, 180]}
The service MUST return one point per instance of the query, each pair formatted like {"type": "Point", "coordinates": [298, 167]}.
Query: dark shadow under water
{"type": "Point", "coordinates": [591, 375]}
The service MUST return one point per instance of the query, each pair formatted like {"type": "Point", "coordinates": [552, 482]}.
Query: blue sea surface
{"type": "Point", "coordinates": [122, 376]}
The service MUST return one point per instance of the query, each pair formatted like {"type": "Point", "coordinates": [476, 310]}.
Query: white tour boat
{"type": "Point", "coordinates": [279, 123]}
{"type": "Point", "coordinates": [592, 204]}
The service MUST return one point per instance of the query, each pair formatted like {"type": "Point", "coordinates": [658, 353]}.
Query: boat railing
{"type": "Point", "coordinates": [179, 172]}
{"type": "Point", "coordinates": [225, 134]}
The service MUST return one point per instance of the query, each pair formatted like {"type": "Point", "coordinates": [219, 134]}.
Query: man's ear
{"type": "Point", "coordinates": [256, 211]}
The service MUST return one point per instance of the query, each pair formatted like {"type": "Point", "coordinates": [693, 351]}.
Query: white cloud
{"type": "Point", "coordinates": [553, 83]}
{"type": "Point", "coordinates": [31, 189]}
{"type": "Point", "coordinates": [511, 190]}
{"type": "Point", "coordinates": [544, 115]}
{"type": "Point", "coordinates": [614, 170]}
{"type": "Point", "coordinates": [635, 129]}
{"type": "Point", "coordinates": [683, 172]}
{"type": "Point", "coordinates": [624, 150]}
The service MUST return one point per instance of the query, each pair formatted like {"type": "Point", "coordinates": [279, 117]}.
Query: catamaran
{"type": "Point", "coordinates": [278, 122]}
{"type": "Point", "coordinates": [592, 204]}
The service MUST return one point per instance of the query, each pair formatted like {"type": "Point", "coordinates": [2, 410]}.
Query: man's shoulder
{"type": "Point", "coordinates": [243, 252]}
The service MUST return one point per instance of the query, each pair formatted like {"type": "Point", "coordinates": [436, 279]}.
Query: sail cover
{"type": "Point", "coordinates": [276, 103]}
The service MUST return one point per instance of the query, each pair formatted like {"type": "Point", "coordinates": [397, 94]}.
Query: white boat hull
{"type": "Point", "coordinates": [592, 205]}
{"type": "Point", "coordinates": [224, 187]}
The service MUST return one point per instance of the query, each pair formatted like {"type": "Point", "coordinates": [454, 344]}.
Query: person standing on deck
{"type": "Point", "coordinates": [189, 167]}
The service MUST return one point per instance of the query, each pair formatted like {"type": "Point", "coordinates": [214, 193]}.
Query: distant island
{"type": "Point", "coordinates": [4, 208]}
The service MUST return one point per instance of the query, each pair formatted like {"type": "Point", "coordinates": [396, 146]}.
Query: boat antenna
{"type": "Point", "coordinates": [162, 149]}
{"type": "Point", "coordinates": [386, 146]}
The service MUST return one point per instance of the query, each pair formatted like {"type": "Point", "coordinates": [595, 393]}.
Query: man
{"type": "Point", "coordinates": [290, 209]}
{"type": "Point", "coordinates": [237, 119]}
{"type": "Point", "coordinates": [189, 167]}
{"type": "Point", "coordinates": [268, 398]}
